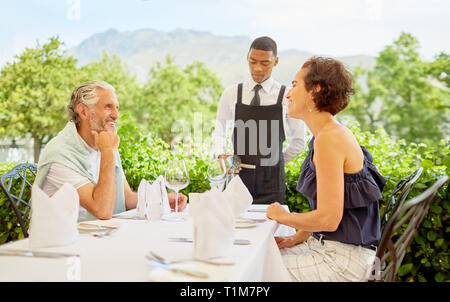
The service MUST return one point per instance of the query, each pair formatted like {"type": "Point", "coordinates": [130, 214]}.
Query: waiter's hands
{"type": "Point", "coordinates": [182, 200]}
{"type": "Point", "coordinates": [225, 156]}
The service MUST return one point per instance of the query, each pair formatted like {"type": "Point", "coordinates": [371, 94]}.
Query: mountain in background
{"type": "Point", "coordinates": [226, 56]}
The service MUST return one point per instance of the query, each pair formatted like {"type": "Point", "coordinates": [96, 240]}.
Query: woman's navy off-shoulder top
{"type": "Point", "coordinates": [360, 224]}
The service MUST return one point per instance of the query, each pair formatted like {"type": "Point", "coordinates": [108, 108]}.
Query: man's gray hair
{"type": "Point", "coordinates": [85, 94]}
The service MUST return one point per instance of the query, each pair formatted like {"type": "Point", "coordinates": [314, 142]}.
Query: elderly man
{"type": "Point", "coordinates": [84, 154]}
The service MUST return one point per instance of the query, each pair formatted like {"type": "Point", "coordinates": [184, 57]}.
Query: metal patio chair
{"type": "Point", "coordinates": [17, 184]}
{"type": "Point", "coordinates": [399, 194]}
{"type": "Point", "coordinates": [392, 247]}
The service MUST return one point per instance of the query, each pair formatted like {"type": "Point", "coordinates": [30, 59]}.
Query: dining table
{"type": "Point", "coordinates": [121, 254]}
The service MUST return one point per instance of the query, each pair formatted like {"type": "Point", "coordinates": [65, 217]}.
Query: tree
{"type": "Point", "coordinates": [34, 93]}
{"type": "Point", "coordinates": [35, 90]}
{"type": "Point", "coordinates": [440, 68]}
{"type": "Point", "coordinates": [173, 95]}
{"type": "Point", "coordinates": [363, 104]}
{"type": "Point", "coordinates": [405, 95]}
{"type": "Point", "coordinates": [112, 70]}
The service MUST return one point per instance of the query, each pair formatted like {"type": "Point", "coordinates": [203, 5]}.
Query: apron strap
{"type": "Point", "coordinates": [239, 93]}
{"type": "Point", "coordinates": [281, 94]}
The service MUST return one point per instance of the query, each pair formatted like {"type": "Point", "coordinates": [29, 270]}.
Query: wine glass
{"type": "Point", "coordinates": [176, 178]}
{"type": "Point", "coordinates": [217, 172]}
{"type": "Point", "coordinates": [235, 163]}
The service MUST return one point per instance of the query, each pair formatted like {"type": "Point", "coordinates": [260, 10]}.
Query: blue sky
{"type": "Point", "coordinates": [323, 27]}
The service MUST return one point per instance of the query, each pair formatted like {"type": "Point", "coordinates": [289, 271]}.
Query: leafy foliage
{"type": "Point", "coordinates": [145, 156]}
{"type": "Point", "coordinates": [112, 70]}
{"type": "Point", "coordinates": [409, 97]}
{"type": "Point", "coordinates": [34, 92]}
{"type": "Point", "coordinates": [170, 96]}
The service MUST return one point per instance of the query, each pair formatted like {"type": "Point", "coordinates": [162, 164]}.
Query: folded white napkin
{"type": "Point", "coordinates": [53, 219]}
{"type": "Point", "coordinates": [165, 199]}
{"type": "Point", "coordinates": [152, 200]}
{"type": "Point", "coordinates": [193, 197]}
{"type": "Point", "coordinates": [213, 223]}
{"type": "Point", "coordinates": [237, 193]}
{"type": "Point", "coordinates": [143, 204]}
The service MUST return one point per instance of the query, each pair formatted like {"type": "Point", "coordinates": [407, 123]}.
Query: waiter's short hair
{"type": "Point", "coordinates": [264, 43]}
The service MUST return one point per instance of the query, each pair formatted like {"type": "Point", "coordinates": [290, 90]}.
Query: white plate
{"type": "Point", "coordinates": [216, 273]}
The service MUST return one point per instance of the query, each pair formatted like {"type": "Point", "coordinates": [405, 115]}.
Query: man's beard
{"type": "Point", "coordinates": [98, 125]}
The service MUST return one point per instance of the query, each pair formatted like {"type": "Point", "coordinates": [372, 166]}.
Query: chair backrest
{"type": "Point", "coordinates": [392, 248]}
{"type": "Point", "coordinates": [18, 178]}
{"type": "Point", "coordinates": [399, 194]}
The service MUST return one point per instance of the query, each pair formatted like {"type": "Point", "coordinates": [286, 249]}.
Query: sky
{"type": "Point", "coordinates": [322, 27]}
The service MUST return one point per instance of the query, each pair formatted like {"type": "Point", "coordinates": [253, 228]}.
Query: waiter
{"type": "Point", "coordinates": [257, 109]}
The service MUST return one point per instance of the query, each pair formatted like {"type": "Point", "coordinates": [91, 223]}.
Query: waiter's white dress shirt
{"type": "Point", "coordinates": [293, 128]}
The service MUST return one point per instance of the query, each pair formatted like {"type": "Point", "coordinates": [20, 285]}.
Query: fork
{"type": "Point", "coordinates": [154, 256]}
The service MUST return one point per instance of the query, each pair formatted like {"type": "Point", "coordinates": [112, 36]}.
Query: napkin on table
{"type": "Point", "coordinates": [213, 223]}
{"type": "Point", "coordinates": [54, 219]}
{"type": "Point", "coordinates": [153, 201]}
{"type": "Point", "coordinates": [143, 206]}
{"type": "Point", "coordinates": [238, 195]}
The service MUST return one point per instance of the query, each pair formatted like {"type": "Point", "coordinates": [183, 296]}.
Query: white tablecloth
{"type": "Point", "coordinates": [121, 256]}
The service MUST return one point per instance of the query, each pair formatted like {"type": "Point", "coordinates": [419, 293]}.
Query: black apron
{"type": "Point", "coordinates": [266, 182]}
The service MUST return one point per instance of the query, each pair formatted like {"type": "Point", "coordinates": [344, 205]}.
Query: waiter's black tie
{"type": "Point", "coordinates": [256, 100]}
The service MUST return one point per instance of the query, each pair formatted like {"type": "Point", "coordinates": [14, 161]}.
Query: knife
{"type": "Point", "coordinates": [178, 270]}
{"type": "Point", "coordinates": [250, 220]}
{"type": "Point", "coordinates": [97, 226]}
{"type": "Point", "coordinates": [236, 242]}
{"type": "Point", "coordinates": [25, 253]}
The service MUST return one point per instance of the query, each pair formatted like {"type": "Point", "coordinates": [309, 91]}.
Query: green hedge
{"type": "Point", "coordinates": [144, 156]}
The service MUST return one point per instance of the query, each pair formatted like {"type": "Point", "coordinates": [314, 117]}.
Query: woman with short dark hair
{"type": "Point", "coordinates": [337, 239]}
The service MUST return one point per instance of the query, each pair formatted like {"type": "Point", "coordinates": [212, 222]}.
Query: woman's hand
{"type": "Point", "coordinates": [275, 212]}
{"type": "Point", "coordinates": [290, 241]}
{"type": "Point", "coordinates": [283, 242]}
{"type": "Point", "coordinates": [182, 200]}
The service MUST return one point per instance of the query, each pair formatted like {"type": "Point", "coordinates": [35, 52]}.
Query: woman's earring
{"type": "Point", "coordinates": [310, 110]}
